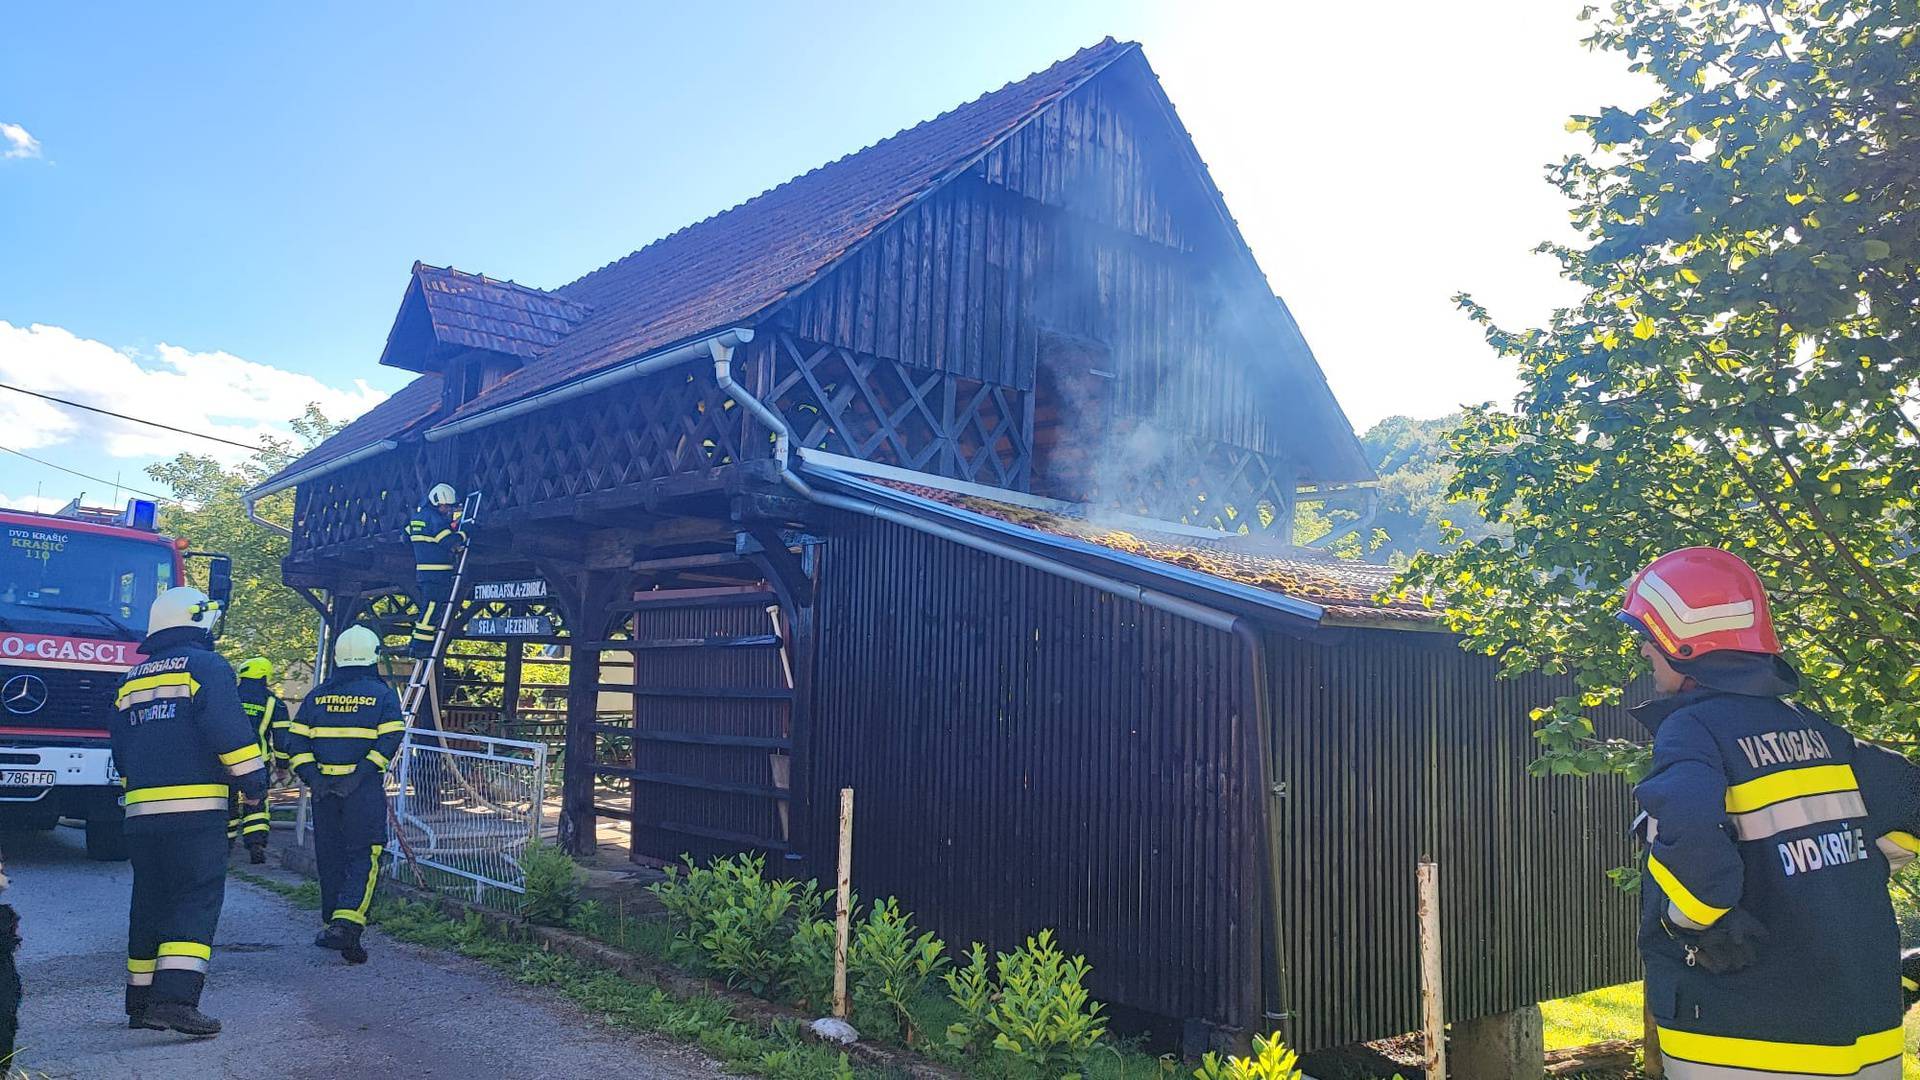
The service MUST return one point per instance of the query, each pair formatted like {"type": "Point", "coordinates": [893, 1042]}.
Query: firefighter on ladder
{"type": "Point", "coordinates": [436, 539]}
{"type": "Point", "coordinates": [348, 732]}
{"type": "Point", "coordinates": [268, 715]}
{"type": "Point", "coordinates": [181, 744]}
{"type": "Point", "coordinates": [1768, 935]}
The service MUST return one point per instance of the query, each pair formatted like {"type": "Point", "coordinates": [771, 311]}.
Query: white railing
{"type": "Point", "coordinates": [464, 808]}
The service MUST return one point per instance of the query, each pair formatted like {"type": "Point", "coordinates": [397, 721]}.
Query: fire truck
{"type": "Point", "coordinates": [74, 591]}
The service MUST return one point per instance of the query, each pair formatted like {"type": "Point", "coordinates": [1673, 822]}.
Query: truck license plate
{"type": "Point", "coordinates": [25, 778]}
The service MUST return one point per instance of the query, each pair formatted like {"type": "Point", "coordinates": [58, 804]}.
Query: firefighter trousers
{"type": "Point", "coordinates": [252, 825]}
{"type": "Point", "coordinates": [435, 589]}
{"type": "Point", "coordinates": [349, 833]}
{"type": "Point", "coordinates": [179, 884]}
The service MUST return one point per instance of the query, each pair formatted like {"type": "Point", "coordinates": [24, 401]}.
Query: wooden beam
{"type": "Point", "coordinates": [782, 568]}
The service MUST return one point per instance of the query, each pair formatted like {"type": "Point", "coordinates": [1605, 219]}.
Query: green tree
{"type": "Point", "coordinates": [265, 618]}
{"type": "Point", "coordinates": [1740, 371]}
{"type": "Point", "coordinates": [1416, 469]}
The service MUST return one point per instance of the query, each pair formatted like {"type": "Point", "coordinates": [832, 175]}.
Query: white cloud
{"type": "Point", "coordinates": [18, 141]}
{"type": "Point", "coordinates": [38, 504]}
{"type": "Point", "coordinates": [216, 393]}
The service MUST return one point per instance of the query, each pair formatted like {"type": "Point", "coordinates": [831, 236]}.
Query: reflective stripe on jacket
{"type": "Point", "coordinates": [350, 718]}
{"type": "Point", "coordinates": [180, 738]}
{"type": "Point", "coordinates": [434, 537]}
{"type": "Point", "coordinates": [268, 715]}
{"type": "Point", "coordinates": [1759, 804]}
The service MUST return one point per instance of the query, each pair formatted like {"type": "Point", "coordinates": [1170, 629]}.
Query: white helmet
{"type": "Point", "coordinates": [356, 646]}
{"type": "Point", "coordinates": [443, 495]}
{"type": "Point", "coordinates": [183, 605]}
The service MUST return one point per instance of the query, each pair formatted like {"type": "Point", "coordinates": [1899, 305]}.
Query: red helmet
{"type": "Point", "coordinates": [1700, 600]}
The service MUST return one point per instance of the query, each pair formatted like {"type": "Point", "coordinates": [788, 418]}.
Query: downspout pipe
{"type": "Point", "coordinates": [253, 515]}
{"type": "Point", "coordinates": [782, 434]}
{"type": "Point", "coordinates": [699, 347]}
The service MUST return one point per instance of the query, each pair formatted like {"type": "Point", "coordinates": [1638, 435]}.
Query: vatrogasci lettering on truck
{"type": "Point", "coordinates": [75, 586]}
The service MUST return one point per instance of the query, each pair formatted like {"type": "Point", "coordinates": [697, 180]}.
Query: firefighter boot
{"type": "Point", "coordinates": [335, 935]}
{"type": "Point", "coordinates": [352, 950]}
{"type": "Point", "coordinates": [181, 1017]}
{"type": "Point", "coordinates": [256, 849]}
{"type": "Point", "coordinates": [137, 1009]}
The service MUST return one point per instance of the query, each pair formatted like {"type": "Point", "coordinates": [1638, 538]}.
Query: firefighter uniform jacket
{"type": "Point", "coordinates": [180, 738]}
{"type": "Point", "coordinates": [351, 718]}
{"type": "Point", "coordinates": [435, 538]}
{"type": "Point", "coordinates": [269, 716]}
{"type": "Point", "coordinates": [1758, 804]}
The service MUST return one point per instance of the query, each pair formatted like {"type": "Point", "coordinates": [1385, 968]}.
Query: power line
{"type": "Point", "coordinates": [86, 476]}
{"type": "Point", "coordinates": [138, 420]}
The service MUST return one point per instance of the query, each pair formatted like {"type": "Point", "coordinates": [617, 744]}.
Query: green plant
{"type": "Point", "coordinates": [1039, 1016]}
{"type": "Point", "coordinates": [735, 922]}
{"type": "Point", "coordinates": [890, 965]}
{"type": "Point", "coordinates": [810, 963]}
{"type": "Point", "coordinates": [1271, 1060]}
{"type": "Point", "coordinates": [970, 989]}
{"type": "Point", "coordinates": [747, 941]}
{"type": "Point", "coordinates": [553, 884]}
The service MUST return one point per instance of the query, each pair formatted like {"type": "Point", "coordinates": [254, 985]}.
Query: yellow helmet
{"type": "Point", "coordinates": [255, 667]}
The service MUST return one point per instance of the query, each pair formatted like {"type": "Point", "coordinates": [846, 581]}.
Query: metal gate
{"type": "Point", "coordinates": [464, 809]}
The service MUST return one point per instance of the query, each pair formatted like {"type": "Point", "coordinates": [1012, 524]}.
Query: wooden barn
{"type": "Point", "coordinates": [963, 471]}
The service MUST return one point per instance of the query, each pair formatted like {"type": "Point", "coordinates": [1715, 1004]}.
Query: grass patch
{"type": "Point", "coordinates": [1612, 1012]}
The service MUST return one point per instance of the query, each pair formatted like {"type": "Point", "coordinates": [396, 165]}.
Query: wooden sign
{"type": "Point", "coordinates": [536, 589]}
{"type": "Point", "coordinates": [484, 626]}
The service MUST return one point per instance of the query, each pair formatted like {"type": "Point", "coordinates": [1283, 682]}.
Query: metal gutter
{"type": "Point", "coordinates": [372, 449]}
{"type": "Point", "coordinates": [703, 346]}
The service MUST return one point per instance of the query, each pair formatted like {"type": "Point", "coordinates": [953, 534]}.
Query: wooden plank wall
{"type": "Point", "coordinates": [1079, 224]}
{"type": "Point", "coordinates": [1397, 746]}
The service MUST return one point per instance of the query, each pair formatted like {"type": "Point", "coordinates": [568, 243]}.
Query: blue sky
{"type": "Point", "coordinates": [215, 214]}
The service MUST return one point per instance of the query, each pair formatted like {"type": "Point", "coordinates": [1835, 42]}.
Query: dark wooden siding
{"type": "Point", "coordinates": [1027, 752]}
{"type": "Point", "coordinates": [1082, 223]}
{"type": "Point", "coordinates": [1395, 746]}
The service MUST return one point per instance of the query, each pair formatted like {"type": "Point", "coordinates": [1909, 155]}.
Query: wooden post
{"type": "Point", "coordinates": [1432, 997]}
{"type": "Point", "coordinates": [1655, 1066]}
{"type": "Point", "coordinates": [843, 915]}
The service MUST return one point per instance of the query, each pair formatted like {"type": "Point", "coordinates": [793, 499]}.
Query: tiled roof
{"type": "Point", "coordinates": [1347, 589]}
{"type": "Point", "coordinates": [504, 316]}
{"type": "Point", "coordinates": [408, 408]}
{"type": "Point", "coordinates": [741, 261]}
{"type": "Point", "coordinates": [446, 310]}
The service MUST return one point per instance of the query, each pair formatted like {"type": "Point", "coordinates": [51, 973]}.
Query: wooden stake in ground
{"type": "Point", "coordinates": [1432, 1000]}
{"type": "Point", "coordinates": [843, 915]}
{"type": "Point", "coordinates": [1653, 1066]}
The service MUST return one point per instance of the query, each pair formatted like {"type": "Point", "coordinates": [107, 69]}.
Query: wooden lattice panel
{"type": "Point", "coordinates": [1210, 484]}
{"type": "Point", "coordinates": [671, 423]}
{"type": "Point", "coordinates": [866, 407]}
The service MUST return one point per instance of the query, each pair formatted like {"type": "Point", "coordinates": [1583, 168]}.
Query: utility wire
{"type": "Point", "coordinates": [86, 476]}
{"type": "Point", "coordinates": [138, 420]}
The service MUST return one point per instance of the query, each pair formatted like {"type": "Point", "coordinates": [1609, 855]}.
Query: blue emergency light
{"type": "Point", "coordinates": [139, 514]}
